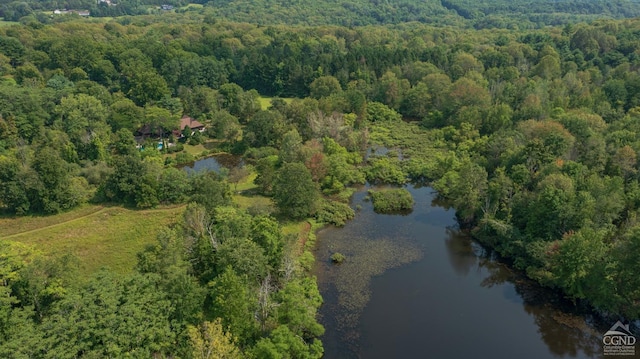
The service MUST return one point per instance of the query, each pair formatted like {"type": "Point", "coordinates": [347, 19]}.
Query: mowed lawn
{"type": "Point", "coordinates": [98, 236]}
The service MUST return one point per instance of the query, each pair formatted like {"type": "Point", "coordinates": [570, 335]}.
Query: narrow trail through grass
{"type": "Point", "coordinates": [99, 210]}
{"type": "Point", "coordinates": [98, 236]}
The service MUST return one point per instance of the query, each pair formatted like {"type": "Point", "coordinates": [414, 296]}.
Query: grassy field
{"type": "Point", "coordinates": [7, 23]}
{"type": "Point", "coordinates": [265, 102]}
{"type": "Point", "coordinates": [194, 150]}
{"type": "Point", "coordinates": [245, 199]}
{"type": "Point", "coordinates": [98, 236]}
{"type": "Point", "coordinates": [192, 6]}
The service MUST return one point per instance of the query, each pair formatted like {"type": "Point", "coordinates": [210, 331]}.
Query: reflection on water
{"type": "Point", "coordinates": [415, 286]}
{"type": "Point", "coordinates": [214, 163]}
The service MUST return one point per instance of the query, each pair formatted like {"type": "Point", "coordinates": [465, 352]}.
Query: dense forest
{"type": "Point", "coordinates": [532, 135]}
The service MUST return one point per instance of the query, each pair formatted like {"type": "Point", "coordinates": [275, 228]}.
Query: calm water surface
{"type": "Point", "coordinates": [214, 163]}
{"type": "Point", "coordinates": [414, 286]}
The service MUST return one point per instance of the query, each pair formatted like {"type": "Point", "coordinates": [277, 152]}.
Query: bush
{"type": "Point", "coordinates": [391, 200]}
{"type": "Point", "coordinates": [178, 147]}
{"type": "Point", "coordinates": [335, 213]}
{"type": "Point", "coordinates": [306, 260]}
{"type": "Point", "coordinates": [377, 112]}
{"type": "Point", "coordinates": [385, 170]}
{"type": "Point", "coordinates": [337, 258]}
{"type": "Point", "coordinates": [184, 158]}
{"type": "Point", "coordinates": [196, 139]}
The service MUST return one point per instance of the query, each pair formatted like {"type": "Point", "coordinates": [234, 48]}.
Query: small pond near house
{"type": "Point", "coordinates": [214, 163]}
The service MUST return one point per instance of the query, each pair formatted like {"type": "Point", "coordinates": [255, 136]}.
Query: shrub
{"type": "Point", "coordinates": [391, 200]}
{"type": "Point", "coordinates": [178, 147]}
{"type": "Point", "coordinates": [184, 157]}
{"type": "Point", "coordinates": [337, 258]}
{"type": "Point", "coordinates": [385, 170]}
{"type": "Point", "coordinates": [335, 213]}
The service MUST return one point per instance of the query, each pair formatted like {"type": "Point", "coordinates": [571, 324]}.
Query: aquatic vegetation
{"type": "Point", "coordinates": [368, 258]}
{"type": "Point", "coordinates": [391, 200]}
{"type": "Point", "coordinates": [337, 258]}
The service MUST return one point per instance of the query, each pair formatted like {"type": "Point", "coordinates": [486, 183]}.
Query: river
{"type": "Point", "coordinates": [414, 286]}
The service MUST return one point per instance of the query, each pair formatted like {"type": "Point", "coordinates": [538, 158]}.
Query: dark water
{"type": "Point", "coordinates": [214, 163]}
{"type": "Point", "coordinates": [414, 286]}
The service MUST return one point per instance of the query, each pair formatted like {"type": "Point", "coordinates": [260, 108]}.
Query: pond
{"type": "Point", "coordinates": [415, 286]}
{"type": "Point", "coordinates": [214, 163]}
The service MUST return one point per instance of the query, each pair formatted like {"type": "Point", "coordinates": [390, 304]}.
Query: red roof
{"type": "Point", "coordinates": [188, 121]}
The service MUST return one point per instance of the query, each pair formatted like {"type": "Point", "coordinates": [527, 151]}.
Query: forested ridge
{"type": "Point", "coordinates": [532, 135]}
{"type": "Point", "coordinates": [461, 13]}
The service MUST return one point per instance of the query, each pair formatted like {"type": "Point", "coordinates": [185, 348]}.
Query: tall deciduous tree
{"type": "Point", "coordinates": [324, 86]}
{"type": "Point", "coordinates": [234, 304]}
{"type": "Point", "coordinates": [294, 191]}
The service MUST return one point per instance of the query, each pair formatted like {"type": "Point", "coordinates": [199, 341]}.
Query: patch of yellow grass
{"type": "Point", "coordinates": [107, 237]}
{"type": "Point", "coordinates": [265, 102]}
{"type": "Point", "coordinates": [194, 150]}
{"type": "Point", "coordinates": [253, 201]}
{"type": "Point", "coordinates": [192, 5]}
{"type": "Point", "coordinates": [247, 182]}
{"type": "Point", "coordinates": [295, 227]}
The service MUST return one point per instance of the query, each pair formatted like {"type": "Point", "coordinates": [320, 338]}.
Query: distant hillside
{"type": "Point", "coordinates": [336, 12]}
{"type": "Point", "coordinates": [513, 14]}
{"type": "Point", "coordinates": [476, 13]}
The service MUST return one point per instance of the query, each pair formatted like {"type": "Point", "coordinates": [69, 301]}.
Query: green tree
{"type": "Point", "coordinates": [264, 129]}
{"type": "Point", "coordinates": [173, 186]}
{"type": "Point", "coordinates": [233, 303]}
{"type": "Point", "coordinates": [125, 114]}
{"type": "Point", "coordinates": [131, 183]}
{"type": "Point", "coordinates": [266, 168]}
{"type": "Point", "coordinates": [377, 112]}
{"type": "Point", "coordinates": [291, 147]}
{"type": "Point", "coordinates": [299, 303]}
{"type": "Point", "coordinates": [225, 126]}
{"type": "Point", "coordinates": [160, 119]}
{"type": "Point", "coordinates": [266, 232]}
{"type": "Point", "coordinates": [245, 257]}
{"type": "Point", "coordinates": [573, 263]}
{"type": "Point", "coordinates": [283, 343]}
{"type": "Point", "coordinates": [417, 102]}
{"type": "Point", "coordinates": [294, 191]}
{"type": "Point", "coordinates": [29, 76]}
{"type": "Point", "coordinates": [324, 86]}
{"type": "Point", "coordinates": [82, 117]}
{"type": "Point", "coordinates": [467, 187]}
{"type": "Point", "coordinates": [58, 192]}
{"type": "Point", "coordinates": [209, 190]}
{"type": "Point", "coordinates": [144, 86]}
